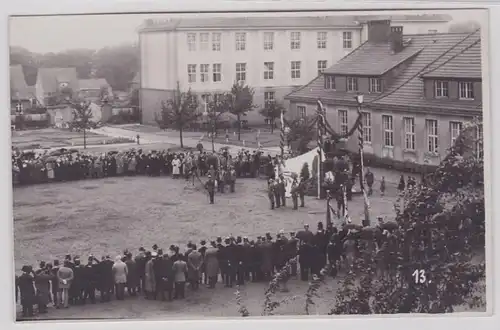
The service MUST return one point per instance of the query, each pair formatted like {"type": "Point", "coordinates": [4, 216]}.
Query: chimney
{"type": "Point", "coordinates": [379, 31]}
{"type": "Point", "coordinates": [396, 39]}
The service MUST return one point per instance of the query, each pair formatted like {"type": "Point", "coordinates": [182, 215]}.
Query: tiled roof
{"type": "Point", "coordinates": [92, 83]}
{"type": "Point", "coordinates": [18, 85]}
{"type": "Point", "coordinates": [326, 22]}
{"type": "Point", "coordinates": [414, 18]}
{"type": "Point", "coordinates": [465, 65]}
{"type": "Point", "coordinates": [52, 77]}
{"type": "Point", "coordinates": [407, 88]}
{"type": "Point", "coordinates": [372, 59]}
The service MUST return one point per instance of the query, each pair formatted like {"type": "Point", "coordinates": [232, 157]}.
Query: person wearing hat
{"type": "Point", "coordinates": [282, 189]}
{"type": "Point", "coordinates": [26, 290]}
{"type": "Point", "coordinates": [211, 262]}
{"type": "Point", "coordinates": [106, 278]}
{"type": "Point", "coordinates": [210, 186]}
{"type": "Point", "coordinates": [231, 178]}
{"type": "Point", "coordinates": [194, 262]}
{"type": "Point", "coordinates": [132, 275]}
{"type": "Point", "coordinates": [140, 261]}
{"type": "Point", "coordinates": [270, 192]}
{"type": "Point", "coordinates": [42, 285]}
{"type": "Point", "coordinates": [65, 276]}
{"type": "Point", "coordinates": [180, 270]}
{"type": "Point", "coordinates": [203, 250]}
{"type": "Point", "coordinates": [291, 251]}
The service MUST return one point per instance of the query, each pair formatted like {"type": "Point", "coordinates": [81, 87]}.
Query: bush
{"type": "Point", "coordinates": [304, 172]}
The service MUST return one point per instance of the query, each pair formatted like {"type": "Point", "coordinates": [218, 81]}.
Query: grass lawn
{"type": "Point", "coordinates": [106, 216]}
{"type": "Point", "coordinates": [53, 138]}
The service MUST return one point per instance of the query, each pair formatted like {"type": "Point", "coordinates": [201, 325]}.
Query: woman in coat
{"type": "Point", "coordinates": [149, 275]}
{"type": "Point", "coordinates": [26, 291]}
{"type": "Point", "coordinates": [120, 277]}
{"type": "Point", "coordinates": [212, 265]}
{"type": "Point", "coordinates": [194, 261]}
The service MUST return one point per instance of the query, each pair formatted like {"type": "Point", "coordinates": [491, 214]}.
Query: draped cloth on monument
{"type": "Point", "coordinates": [294, 165]}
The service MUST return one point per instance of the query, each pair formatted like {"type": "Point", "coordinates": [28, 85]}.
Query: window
{"type": "Point", "coordinates": [216, 42]}
{"type": "Point", "coordinates": [352, 84]}
{"type": "Point", "coordinates": [322, 40]}
{"type": "Point", "coordinates": [479, 141]}
{"type": "Point", "coordinates": [409, 129]}
{"type": "Point", "coordinates": [205, 100]}
{"type": "Point", "coordinates": [204, 72]}
{"type": "Point", "coordinates": [455, 128]}
{"type": "Point", "coordinates": [388, 131]}
{"type": "Point", "coordinates": [321, 67]}
{"type": "Point", "coordinates": [441, 88]}
{"type": "Point", "coordinates": [301, 110]}
{"type": "Point", "coordinates": [347, 40]}
{"type": "Point", "coordinates": [295, 40]}
{"type": "Point", "coordinates": [191, 73]}
{"type": "Point", "coordinates": [344, 128]}
{"type": "Point", "coordinates": [268, 98]}
{"type": "Point", "coordinates": [268, 70]}
{"type": "Point", "coordinates": [432, 135]}
{"type": "Point", "coordinates": [241, 40]}
{"type": "Point", "coordinates": [329, 82]}
{"type": "Point", "coordinates": [375, 85]}
{"type": "Point", "coordinates": [203, 41]}
{"type": "Point", "coordinates": [216, 72]}
{"type": "Point", "coordinates": [367, 127]}
{"type": "Point", "coordinates": [241, 72]}
{"type": "Point", "coordinates": [268, 40]}
{"type": "Point", "coordinates": [191, 40]}
{"type": "Point", "coordinates": [466, 90]}
{"type": "Point", "coordinates": [295, 69]}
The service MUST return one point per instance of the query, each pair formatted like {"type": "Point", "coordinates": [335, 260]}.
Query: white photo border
{"type": "Point", "coordinates": [491, 76]}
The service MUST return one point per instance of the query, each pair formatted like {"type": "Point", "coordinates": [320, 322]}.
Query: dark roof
{"type": "Point", "coordinates": [96, 83]}
{"type": "Point", "coordinates": [244, 23]}
{"type": "Point", "coordinates": [414, 18]}
{"type": "Point", "coordinates": [52, 77]}
{"type": "Point", "coordinates": [465, 65]}
{"type": "Point", "coordinates": [407, 88]}
{"type": "Point", "coordinates": [18, 85]}
{"type": "Point", "coordinates": [372, 59]}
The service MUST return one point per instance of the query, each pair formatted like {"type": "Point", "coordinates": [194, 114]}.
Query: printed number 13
{"type": "Point", "coordinates": [419, 276]}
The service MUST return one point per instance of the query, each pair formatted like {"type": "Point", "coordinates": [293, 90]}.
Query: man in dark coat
{"type": "Point", "coordinates": [304, 260]}
{"type": "Point", "coordinates": [210, 187]}
{"type": "Point", "coordinates": [140, 261]}
{"type": "Point", "coordinates": [79, 282]}
{"type": "Point", "coordinates": [369, 178]}
{"type": "Point", "coordinates": [107, 280]}
{"type": "Point", "coordinates": [270, 192]}
{"type": "Point", "coordinates": [232, 262]}
{"type": "Point", "coordinates": [282, 190]}
{"type": "Point", "coordinates": [132, 275]}
{"type": "Point", "coordinates": [27, 291]}
{"type": "Point", "coordinates": [291, 251]}
{"type": "Point", "coordinates": [239, 257]}
{"type": "Point", "coordinates": [277, 193]}
{"type": "Point", "coordinates": [91, 279]}
{"type": "Point", "coordinates": [161, 275]}
{"type": "Point", "coordinates": [56, 297]}
{"type": "Point", "coordinates": [295, 194]}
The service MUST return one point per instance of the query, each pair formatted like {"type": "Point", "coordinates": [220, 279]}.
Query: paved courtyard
{"type": "Point", "coordinates": [106, 216]}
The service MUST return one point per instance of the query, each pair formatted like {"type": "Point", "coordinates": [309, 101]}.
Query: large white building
{"type": "Point", "coordinates": [273, 55]}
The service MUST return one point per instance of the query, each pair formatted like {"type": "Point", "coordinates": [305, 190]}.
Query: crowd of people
{"type": "Point", "coordinates": [163, 274]}
{"type": "Point", "coordinates": [69, 165]}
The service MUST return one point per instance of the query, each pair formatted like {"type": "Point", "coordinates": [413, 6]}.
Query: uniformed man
{"type": "Point", "coordinates": [295, 194]}
{"type": "Point", "coordinates": [210, 186]}
{"type": "Point", "coordinates": [302, 192]}
{"type": "Point", "coordinates": [277, 196]}
{"type": "Point", "coordinates": [270, 192]}
{"type": "Point", "coordinates": [282, 190]}
{"type": "Point", "coordinates": [232, 178]}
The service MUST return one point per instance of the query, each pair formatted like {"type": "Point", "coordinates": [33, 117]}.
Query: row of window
{"type": "Point", "coordinates": [431, 125]}
{"type": "Point", "coordinates": [465, 90]}
{"type": "Point", "coordinates": [241, 71]}
{"type": "Point", "coordinates": [374, 84]}
{"type": "Point", "coordinates": [241, 41]}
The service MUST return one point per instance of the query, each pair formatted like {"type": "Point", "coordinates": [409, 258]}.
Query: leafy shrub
{"type": "Point", "coordinates": [304, 172]}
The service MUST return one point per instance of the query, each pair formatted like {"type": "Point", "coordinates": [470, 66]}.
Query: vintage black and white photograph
{"type": "Point", "coordinates": [248, 164]}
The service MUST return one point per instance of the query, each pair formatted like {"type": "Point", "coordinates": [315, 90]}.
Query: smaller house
{"type": "Point", "coordinates": [92, 89]}
{"type": "Point", "coordinates": [21, 93]}
{"type": "Point", "coordinates": [55, 82]}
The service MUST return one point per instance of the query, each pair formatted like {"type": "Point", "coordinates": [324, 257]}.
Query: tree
{"type": "Point", "coordinates": [439, 229]}
{"type": "Point", "coordinates": [179, 111]}
{"type": "Point", "coordinates": [304, 172]}
{"type": "Point", "coordinates": [217, 106]}
{"type": "Point", "coordinates": [241, 102]}
{"type": "Point", "coordinates": [272, 111]}
{"type": "Point", "coordinates": [118, 65]}
{"type": "Point", "coordinates": [82, 115]}
{"type": "Point", "coordinates": [301, 131]}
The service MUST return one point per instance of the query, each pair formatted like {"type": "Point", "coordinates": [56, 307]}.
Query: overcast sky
{"type": "Point", "coordinates": [57, 33]}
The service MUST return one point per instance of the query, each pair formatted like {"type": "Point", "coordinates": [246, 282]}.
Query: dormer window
{"type": "Point", "coordinates": [329, 82]}
{"type": "Point", "coordinates": [63, 85]}
{"type": "Point", "coordinates": [352, 84]}
{"type": "Point", "coordinates": [375, 85]}
{"type": "Point", "coordinates": [466, 90]}
{"type": "Point", "coordinates": [441, 89]}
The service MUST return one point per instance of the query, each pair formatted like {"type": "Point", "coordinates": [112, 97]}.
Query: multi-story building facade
{"type": "Point", "coordinates": [418, 90]}
{"type": "Point", "coordinates": [273, 55]}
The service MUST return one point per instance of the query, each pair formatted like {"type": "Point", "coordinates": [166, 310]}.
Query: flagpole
{"type": "Point", "coordinates": [320, 124]}
{"type": "Point", "coordinates": [366, 221]}
{"type": "Point", "coordinates": [282, 134]}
